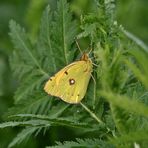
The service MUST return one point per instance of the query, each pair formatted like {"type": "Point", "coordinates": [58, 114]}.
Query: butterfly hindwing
{"type": "Point", "coordinates": [70, 83]}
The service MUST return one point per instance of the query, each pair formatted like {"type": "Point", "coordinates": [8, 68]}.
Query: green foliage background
{"type": "Point", "coordinates": [114, 112]}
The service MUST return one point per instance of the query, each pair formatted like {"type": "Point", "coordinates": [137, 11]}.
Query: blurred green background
{"type": "Point", "coordinates": [132, 14]}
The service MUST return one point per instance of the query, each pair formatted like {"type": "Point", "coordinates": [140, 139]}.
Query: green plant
{"type": "Point", "coordinates": [114, 112]}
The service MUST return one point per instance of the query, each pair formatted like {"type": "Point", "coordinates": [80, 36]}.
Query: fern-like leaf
{"type": "Point", "coordinates": [127, 104]}
{"type": "Point", "coordinates": [24, 47]}
{"type": "Point", "coordinates": [66, 29]}
{"type": "Point", "coordinates": [23, 135]}
{"type": "Point", "coordinates": [87, 143]}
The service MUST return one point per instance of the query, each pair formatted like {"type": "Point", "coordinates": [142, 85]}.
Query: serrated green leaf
{"type": "Point", "coordinates": [126, 103]}
{"type": "Point", "coordinates": [23, 135]}
{"type": "Point", "coordinates": [87, 143]}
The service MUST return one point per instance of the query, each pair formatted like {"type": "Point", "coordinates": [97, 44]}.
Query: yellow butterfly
{"type": "Point", "coordinates": [70, 83]}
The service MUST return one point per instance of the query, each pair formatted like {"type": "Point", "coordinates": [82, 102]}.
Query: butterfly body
{"type": "Point", "coordinates": [70, 83]}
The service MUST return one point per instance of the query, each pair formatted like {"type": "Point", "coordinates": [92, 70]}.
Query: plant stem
{"type": "Point", "coordinates": [91, 113]}
{"type": "Point", "coordinates": [94, 116]}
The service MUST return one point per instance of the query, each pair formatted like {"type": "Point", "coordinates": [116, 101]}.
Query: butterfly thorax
{"type": "Point", "coordinates": [86, 58]}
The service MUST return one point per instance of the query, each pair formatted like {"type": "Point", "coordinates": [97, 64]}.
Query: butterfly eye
{"type": "Point", "coordinates": [71, 81]}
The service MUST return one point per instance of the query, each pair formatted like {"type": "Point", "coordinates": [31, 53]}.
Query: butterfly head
{"type": "Point", "coordinates": [85, 57]}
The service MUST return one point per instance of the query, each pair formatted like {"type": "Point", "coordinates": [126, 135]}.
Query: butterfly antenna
{"type": "Point", "coordinates": [90, 48]}
{"type": "Point", "coordinates": [79, 47]}
{"type": "Point", "coordinates": [90, 51]}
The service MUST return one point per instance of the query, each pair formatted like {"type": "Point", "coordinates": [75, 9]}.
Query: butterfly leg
{"type": "Point", "coordinates": [94, 96]}
{"type": "Point", "coordinates": [93, 79]}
